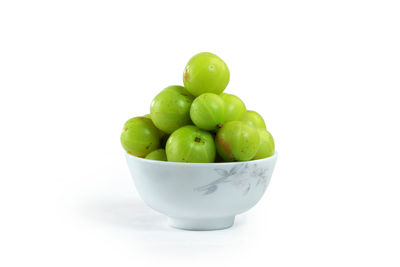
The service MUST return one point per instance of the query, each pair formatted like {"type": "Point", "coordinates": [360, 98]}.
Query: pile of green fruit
{"type": "Point", "coordinates": [198, 122]}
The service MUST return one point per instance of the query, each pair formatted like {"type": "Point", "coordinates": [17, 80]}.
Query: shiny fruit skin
{"type": "Point", "coordinates": [170, 109]}
{"type": "Point", "coordinates": [190, 144]}
{"type": "Point", "coordinates": [237, 141]}
{"type": "Point", "coordinates": [267, 145]}
{"type": "Point", "coordinates": [205, 73]}
{"type": "Point", "coordinates": [254, 119]}
{"type": "Point", "coordinates": [158, 154]}
{"type": "Point", "coordinates": [140, 137]}
{"type": "Point", "coordinates": [235, 110]}
{"type": "Point", "coordinates": [208, 112]}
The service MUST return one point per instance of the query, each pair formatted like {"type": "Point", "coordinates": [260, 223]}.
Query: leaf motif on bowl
{"type": "Point", "coordinates": [241, 176]}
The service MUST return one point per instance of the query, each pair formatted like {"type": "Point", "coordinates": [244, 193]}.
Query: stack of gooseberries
{"type": "Point", "coordinates": [197, 122]}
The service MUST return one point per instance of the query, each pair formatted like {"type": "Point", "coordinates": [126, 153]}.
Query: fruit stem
{"type": "Point", "coordinates": [197, 139]}
{"type": "Point", "coordinates": [219, 126]}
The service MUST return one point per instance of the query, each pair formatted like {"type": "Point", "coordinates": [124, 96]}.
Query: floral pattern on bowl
{"type": "Point", "coordinates": [201, 196]}
{"type": "Point", "coordinates": [241, 176]}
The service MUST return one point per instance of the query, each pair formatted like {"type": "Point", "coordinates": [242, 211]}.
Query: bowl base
{"type": "Point", "coordinates": [205, 224]}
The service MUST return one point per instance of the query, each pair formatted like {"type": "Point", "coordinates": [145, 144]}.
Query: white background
{"type": "Point", "coordinates": [324, 74]}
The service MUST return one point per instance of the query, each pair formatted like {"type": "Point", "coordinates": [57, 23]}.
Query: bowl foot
{"type": "Point", "coordinates": [205, 224]}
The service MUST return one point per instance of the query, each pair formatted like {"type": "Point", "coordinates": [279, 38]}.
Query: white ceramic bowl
{"type": "Point", "coordinates": [201, 196]}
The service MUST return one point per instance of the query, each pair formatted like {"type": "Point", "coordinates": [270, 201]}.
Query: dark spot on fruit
{"type": "Point", "coordinates": [186, 75]}
{"type": "Point", "coordinates": [197, 139]}
{"type": "Point", "coordinates": [225, 146]}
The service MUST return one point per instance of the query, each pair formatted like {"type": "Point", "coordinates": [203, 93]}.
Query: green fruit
{"type": "Point", "coordinates": [237, 141]}
{"type": "Point", "coordinates": [235, 110]}
{"type": "Point", "coordinates": [158, 154]}
{"type": "Point", "coordinates": [190, 144]}
{"type": "Point", "coordinates": [210, 111]}
{"type": "Point", "coordinates": [267, 145]}
{"type": "Point", "coordinates": [170, 109]}
{"type": "Point", "coordinates": [162, 134]}
{"type": "Point", "coordinates": [139, 136]}
{"type": "Point", "coordinates": [254, 119]}
{"type": "Point", "coordinates": [207, 112]}
{"type": "Point", "coordinates": [205, 73]}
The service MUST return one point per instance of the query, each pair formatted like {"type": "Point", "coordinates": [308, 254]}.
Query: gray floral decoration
{"type": "Point", "coordinates": [240, 176]}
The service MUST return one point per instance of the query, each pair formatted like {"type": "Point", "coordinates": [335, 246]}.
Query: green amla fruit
{"type": "Point", "coordinates": [170, 109]}
{"type": "Point", "coordinates": [140, 137]}
{"type": "Point", "coordinates": [235, 110]}
{"type": "Point", "coordinates": [267, 145]}
{"type": "Point", "coordinates": [190, 144]}
{"type": "Point", "coordinates": [162, 134]}
{"type": "Point", "coordinates": [254, 119]}
{"type": "Point", "coordinates": [237, 141]}
{"type": "Point", "coordinates": [208, 112]}
{"type": "Point", "coordinates": [158, 154]}
{"type": "Point", "coordinates": [205, 73]}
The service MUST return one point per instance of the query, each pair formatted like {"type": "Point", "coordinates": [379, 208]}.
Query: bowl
{"type": "Point", "coordinates": [201, 196]}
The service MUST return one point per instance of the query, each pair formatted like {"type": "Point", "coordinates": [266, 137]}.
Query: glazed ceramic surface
{"type": "Point", "coordinates": [201, 196]}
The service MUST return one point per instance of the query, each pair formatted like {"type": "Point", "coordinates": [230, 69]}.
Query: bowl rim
{"type": "Point", "coordinates": [273, 157]}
